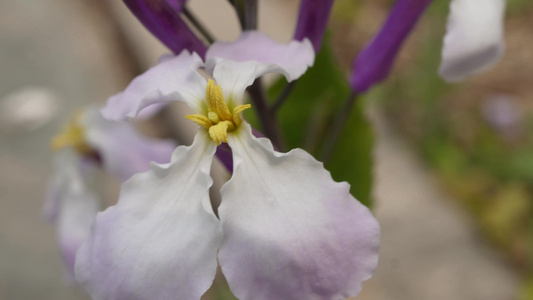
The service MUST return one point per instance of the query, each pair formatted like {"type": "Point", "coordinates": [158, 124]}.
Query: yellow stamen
{"type": "Point", "coordinates": [237, 113]}
{"type": "Point", "coordinates": [219, 132]}
{"type": "Point", "coordinates": [213, 117]}
{"type": "Point", "coordinates": [200, 120]}
{"type": "Point", "coordinates": [219, 120]}
{"type": "Point", "coordinates": [215, 101]}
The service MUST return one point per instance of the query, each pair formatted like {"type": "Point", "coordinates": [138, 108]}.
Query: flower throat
{"type": "Point", "coordinates": [219, 119]}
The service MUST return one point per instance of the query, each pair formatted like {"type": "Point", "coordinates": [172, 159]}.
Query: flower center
{"type": "Point", "coordinates": [219, 119]}
{"type": "Point", "coordinates": [73, 135]}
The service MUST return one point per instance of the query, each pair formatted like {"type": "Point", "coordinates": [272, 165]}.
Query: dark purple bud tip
{"type": "Point", "coordinates": [162, 19]}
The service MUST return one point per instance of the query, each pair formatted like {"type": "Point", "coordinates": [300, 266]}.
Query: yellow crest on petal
{"type": "Point", "coordinates": [219, 119]}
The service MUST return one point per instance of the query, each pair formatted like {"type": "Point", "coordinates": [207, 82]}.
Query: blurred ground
{"type": "Point", "coordinates": [430, 249]}
{"type": "Point", "coordinates": [476, 135]}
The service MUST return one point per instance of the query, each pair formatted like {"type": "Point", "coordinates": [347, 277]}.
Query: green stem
{"type": "Point", "coordinates": [283, 96]}
{"type": "Point", "coordinates": [337, 127]}
{"type": "Point", "coordinates": [250, 14]}
{"type": "Point", "coordinates": [267, 117]}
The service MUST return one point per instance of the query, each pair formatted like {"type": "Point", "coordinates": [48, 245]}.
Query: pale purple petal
{"type": "Point", "coordinates": [374, 63]}
{"type": "Point", "coordinates": [290, 231]}
{"type": "Point", "coordinates": [162, 19]}
{"type": "Point", "coordinates": [291, 60]}
{"type": "Point", "coordinates": [474, 38]}
{"type": "Point", "coordinates": [160, 241]}
{"type": "Point", "coordinates": [312, 21]}
{"type": "Point", "coordinates": [170, 80]}
{"type": "Point", "coordinates": [123, 150]}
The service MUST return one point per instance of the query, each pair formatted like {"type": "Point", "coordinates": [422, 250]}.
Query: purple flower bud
{"type": "Point", "coordinates": [162, 19]}
{"type": "Point", "coordinates": [312, 21]}
{"type": "Point", "coordinates": [375, 61]}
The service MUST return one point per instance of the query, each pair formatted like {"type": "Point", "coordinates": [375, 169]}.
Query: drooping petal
{"type": "Point", "coordinates": [474, 38]}
{"type": "Point", "coordinates": [162, 19]}
{"type": "Point", "coordinates": [312, 21]}
{"type": "Point", "coordinates": [76, 203]}
{"type": "Point", "coordinates": [170, 80]}
{"type": "Point", "coordinates": [160, 241]}
{"type": "Point", "coordinates": [259, 54]}
{"type": "Point", "coordinates": [374, 63]}
{"type": "Point", "coordinates": [290, 231]}
{"type": "Point", "coordinates": [123, 150]}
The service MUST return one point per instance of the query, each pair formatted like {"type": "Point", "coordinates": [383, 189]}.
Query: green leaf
{"type": "Point", "coordinates": [308, 113]}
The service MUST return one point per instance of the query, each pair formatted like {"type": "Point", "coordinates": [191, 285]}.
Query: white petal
{"type": "Point", "coordinates": [124, 151]}
{"type": "Point", "coordinates": [170, 80]}
{"type": "Point", "coordinates": [160, 241]}
{"type": "Point", "coordinates": [474, 39]}
{"type": "Point", "coordinates": [235, 77]}
{"type": "Point", "coordinates": [290, 231]}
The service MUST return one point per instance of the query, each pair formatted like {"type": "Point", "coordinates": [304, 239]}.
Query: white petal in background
{"type": "Point", "coordinates": [72, 203]}
{"type": "Point", "coordinates": [124, 151]}
{"type": "Point", "coordinates": [160, 241]}
{"type": "Point", "coordinates": [171, 79]}
{"type": "Point", "coordinates": [474, 40]}
{"type": "Point", "coordinates": [65, 164]}
{"type": "Point", "coordinates": [290, 231]}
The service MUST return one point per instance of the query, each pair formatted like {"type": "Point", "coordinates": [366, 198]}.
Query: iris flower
{"type": "Point", "coordinates": [87, 144]}
{"type": "Point", "coordinates": [285, 229]}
